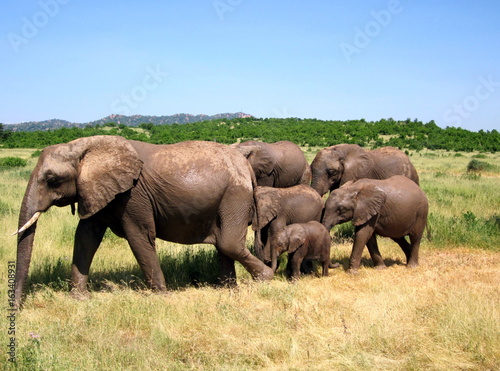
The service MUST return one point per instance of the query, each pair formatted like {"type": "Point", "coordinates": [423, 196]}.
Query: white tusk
{"type": "Point", "coordinates": [30, 222]}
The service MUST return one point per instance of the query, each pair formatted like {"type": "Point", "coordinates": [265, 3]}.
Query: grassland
{"type": "Point", "coordinates": [443, 315]}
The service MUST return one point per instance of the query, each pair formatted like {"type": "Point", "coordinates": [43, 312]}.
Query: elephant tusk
{"type": "Point", "coordinates": [30, 222]}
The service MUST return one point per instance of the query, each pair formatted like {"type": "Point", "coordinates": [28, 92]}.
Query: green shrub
{"type": "Point", "coordinates": [476, 165]}
{"type": "Point", "coordinates": [12, 162]}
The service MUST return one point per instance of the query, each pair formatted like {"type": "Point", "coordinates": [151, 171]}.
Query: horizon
{"type": "Point", "coordinates": [326, 60]}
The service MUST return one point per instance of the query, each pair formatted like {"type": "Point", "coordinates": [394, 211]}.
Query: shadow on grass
{"type": "Point", "coordinates": [367, 262]}
{"type": "Point", "coordinates": [192, 267]}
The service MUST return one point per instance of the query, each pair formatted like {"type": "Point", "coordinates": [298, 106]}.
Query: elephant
{"type": "Point", "coordinates": [309, 240]}
{"type": "Point", "coordinates": [189, 192]}
{"type": "Point", "coordinates": [281, 164]}
{"type": "Point", "coordinates": [333, 166]}
{"type": "Point", "coordinates": [277, 208]}
{"type": "Point", "coordinates": [395, 207]}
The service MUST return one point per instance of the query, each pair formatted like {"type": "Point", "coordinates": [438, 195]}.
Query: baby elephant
{"type": "Point", "coordinates": [309, 240]}
{"type": "Point", "coordinates": [394, 207]}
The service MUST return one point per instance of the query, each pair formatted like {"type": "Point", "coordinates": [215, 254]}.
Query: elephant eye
{"type": "Point", "coordinates": [54, 182]}
{"type": "Point", "coordinates": [332, 172]}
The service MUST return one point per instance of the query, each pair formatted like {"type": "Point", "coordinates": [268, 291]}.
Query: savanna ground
{"type": "Point", "coordinates": [443, 315]}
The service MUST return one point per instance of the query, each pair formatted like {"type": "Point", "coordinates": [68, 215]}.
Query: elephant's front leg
{"type": "Point", "coordinates": [141, 237]}
{"type": "Point", "coordinates": [88, 237]}
{"type": "Point", "coordinates": [361, 237]}
{"type": "Point", "coordinates": [295, 261]}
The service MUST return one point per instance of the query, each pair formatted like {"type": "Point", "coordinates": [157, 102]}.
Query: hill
{"type": "Point", "coordinates": [134, 120]}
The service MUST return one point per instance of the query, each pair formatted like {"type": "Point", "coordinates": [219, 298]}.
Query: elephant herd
{"type": "Point", "coordinates": [204, 192]}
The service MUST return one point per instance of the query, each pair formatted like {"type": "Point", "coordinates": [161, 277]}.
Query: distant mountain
{"type": "Point", "coordinates": [135, 120]}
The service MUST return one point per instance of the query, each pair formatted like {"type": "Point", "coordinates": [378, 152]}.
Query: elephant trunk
{"type": "Point", "coordinates": [26, 233]}
{"type": "Point", "coordinates": [274, 259]}
{"type": "Point", "coordinates": [319, 184]}
{"type": "Point", "coordinates": [258, 246]}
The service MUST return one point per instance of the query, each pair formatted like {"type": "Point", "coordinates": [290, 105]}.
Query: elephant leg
{"type": "Point", "coordinates": [326, 265]}
{"type": "Point", "coordinates": [231, 237]}
{"type": "Point", "coordinates": [412, 260]}
{"type": "Point", "coordinates": [405, 246]}
{"type": "Point", "coordinates": [361, 237]}
{"type": "Point", "coordinates": [227, 273]}
{"type": "Point", "coordinates": [295, 262]}
{"type": "Point", "coordinates": [372, 246]}
{"type": "Point", "coordinates": [141, 239]}
{"type": "Point", "coordinates": [88, 237]}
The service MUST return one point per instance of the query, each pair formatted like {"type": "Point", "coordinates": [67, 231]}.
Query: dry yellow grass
{"type": "Point", "coordinates": [442, 315]}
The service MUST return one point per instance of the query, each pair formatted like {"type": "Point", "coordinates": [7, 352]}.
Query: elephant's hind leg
{"type": "Point", "coordinates": [231, 240]}
{"type": "Point", "coordinates": [409, 250]}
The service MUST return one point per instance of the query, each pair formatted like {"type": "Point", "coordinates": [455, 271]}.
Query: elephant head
{"type": "Point", "coordinates": [336, 165]}
{"type": "Point", "coordinates": [88, 171]}
{"type": "Point", "coordinates": [260, 157]}
{"type": "Point", "coordinates": [356, 201]}
{"type": "Point", "coordinates": [290, 239]}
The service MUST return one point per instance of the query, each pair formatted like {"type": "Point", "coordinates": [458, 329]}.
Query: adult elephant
{"type": "Point", "coordinates": [189, 192]}
{"type": "Point", "coordinates": [336, 165]}
{"type": "Point", "coordinates": [277, 208]}
{"type": "Point", "coordinates": [281, 164]}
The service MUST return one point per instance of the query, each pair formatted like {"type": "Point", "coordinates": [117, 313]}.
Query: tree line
{"type": "Point", "coordinates": [408, 134]}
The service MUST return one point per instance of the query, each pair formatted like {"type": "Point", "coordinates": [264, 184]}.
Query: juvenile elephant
{"type": "Point", "coordinates": [189, 192]}
{"type": "Point", "coordinates": [281, 164]}
{"type": "Point", "coordinates": [277, 208]}
{"type": "Point", "coordinates": [336, 165]}
{"type": "Point", "coordinates": [394, 207]}
{"type": "Point", "coordinates": [309, 240]}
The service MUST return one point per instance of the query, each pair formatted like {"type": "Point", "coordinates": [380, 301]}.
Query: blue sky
{"type": "Point", "coordinates": [331, 60]}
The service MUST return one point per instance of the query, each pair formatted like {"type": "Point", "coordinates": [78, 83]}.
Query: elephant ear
{"type": "Point", "coordinates": [109, 166]}
{"type": "Point", "coordinates": [261, 160]}
{"type": "Point", "coordinates": [369, 202]}
{"type": "Point", "coordinates": [357, 165]}
{"type": "Point", "coordinates": [267, 200]}
{"type": "Point", "coordinates": [297, 239]}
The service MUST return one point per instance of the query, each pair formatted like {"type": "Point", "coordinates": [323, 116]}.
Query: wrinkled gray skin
{"type": "Point", "coordinates": [339, 164]}
{"type": "Point", "coordinates": [394, 207]}
{"type": "Point", "coordinates": [277, 208]}
{"type": "Point", "coordinates": [189, 192]}
{"type": "Point", "coordinates": [310, 241]}
{"type": "Point", "coordinates": [281, 164]}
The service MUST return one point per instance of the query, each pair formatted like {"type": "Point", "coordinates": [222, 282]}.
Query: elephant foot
{"type": "Point", "coordinates": [412, 265]}
{"type": "Point", "coordinates": [380, 267]}
{"type": "Point", "coordinates": [353, 271]}
{"type": "Point", "coordinates": [266, 274]}
{"type": "Point", "coordinates": [333, 265]}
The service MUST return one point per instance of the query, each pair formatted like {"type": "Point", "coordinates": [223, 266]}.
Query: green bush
{"type": "Point", "coordinates": [12, 162]}
{"type": "Point", "coordinates": [476, 165]}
